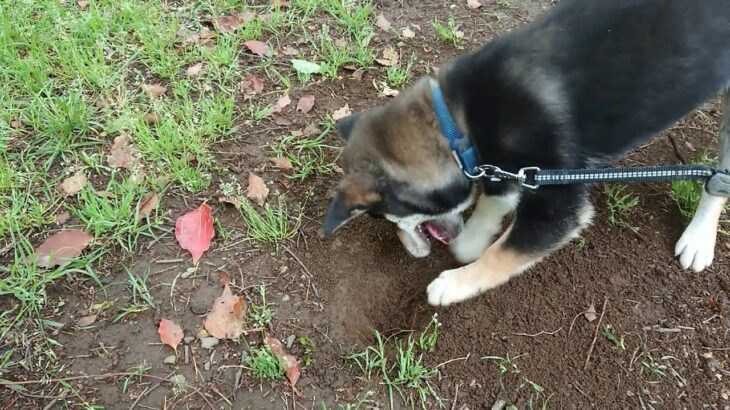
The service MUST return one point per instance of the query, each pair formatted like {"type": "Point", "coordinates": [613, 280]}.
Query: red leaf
{"type": "Point", "coordinates": [305, 104]}
{"type": "Point", "coordinates": [194, 230]}
{"type": "Point", "coordinates": [291, 366]}
{"type": "Point", "coordinates": [170, 333]}
{"type": "Point", "coordinates": [258, 47]}
{"type": "Point", "coordinates": [282, 163]}
{"type": "Point", "coordinates": [62, 247]}
{"type": "Point", "coordinates": [256, 190]}
{"type": "Point", "coordinates": [225, 320]}
{"type": "Point", "coordinates": [149, 203]}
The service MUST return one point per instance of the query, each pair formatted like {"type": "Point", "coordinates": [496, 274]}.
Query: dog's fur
{"type": "Point", "coordinates": [578, 87]}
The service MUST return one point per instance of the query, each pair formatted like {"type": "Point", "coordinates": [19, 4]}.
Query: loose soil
{"type": "Point", "coordinates": [337, 290]}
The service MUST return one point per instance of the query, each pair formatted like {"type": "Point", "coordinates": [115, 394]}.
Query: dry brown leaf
{"type": "Point", "coordinates": [289, 51]}
{"type": "Point", "coordinates": [357, 74]}
{"type": "Point", "coordinates": [16, 124]}
{"type": "Point", "coordinates": [62, 217]}
{"type": "Point", "coordinates": [281, 120]}
{"type": "Point", "coordinates": [151, 118]}
{"type": "Point", "coordinates": [473, 4]}
{"type": "Point", "coordinates": [408, 33]}
{"type": "Point", "coordinates": [61, 247]}
{"type": "Point", "coordinates": [86, 320]}
{"type": "Point", "coordinates": [120, 157]}
{"type": "Point", "coordinates": [282, 163]}
{"type": "Point", "coordinates": [310, 130]}
{"type": "Point", "coordinates": [229, 23]}
{"type": "Point", "coordinates": [291, 366]}
{"type": "Point", "coordinates": [382, 22]}
{"type": "Point", "coordinates": [170, 333]}
{"type": "Point", "coordinates": [149, 203]}
{"type": "Point", "coordinates": [590, 314]}
{"type": "Point", "coordinates": [225, 319]}
{"type": "Point", "coordinates": [256, 190]}
{"type": "Point", "coordinates": [106, 194]}
{"type": "Point", "coordinates": [389, 57]}
{"type": "Point", "coordinates": [194, 70]}
{"type": "Point", "coordinates": [230, 200]}
{"type": "Point", "coordinates": [280, 4]}
{"type": "Point", "coordinates": [252, 85]}
{"type": "Point", "coordinates": [83, 4]}
{"type": "Point", "coordinates": [258, 47]}
{"type": "Point", "coordinates": [305, 104]}
{"type": "Point", "coordinates": [73, 184]}
{"type": "Point", "coordinates": [281, 103]}
{"type": "Point", "coordinates": [154, 90]}
{"type": "Point", "coordinates": [341, 113]}
{"type": "Point", "coordinates": [388, 92]}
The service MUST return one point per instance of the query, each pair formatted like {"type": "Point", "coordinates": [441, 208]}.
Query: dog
{"type": "Point", "coordinates": [579, 87]}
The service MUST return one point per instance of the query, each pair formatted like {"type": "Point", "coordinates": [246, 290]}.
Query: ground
{"type": "Point", "coordinates": [610, 321]}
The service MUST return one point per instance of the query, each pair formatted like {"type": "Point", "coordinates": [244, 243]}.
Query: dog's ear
{"type": "Point", "coordinates": [357, 194]}
{"type": "Point", "coordinates": [344, 125]}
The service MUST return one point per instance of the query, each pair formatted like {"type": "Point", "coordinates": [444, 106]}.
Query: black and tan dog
{"type": "Point", "coordinates": [578, 87]}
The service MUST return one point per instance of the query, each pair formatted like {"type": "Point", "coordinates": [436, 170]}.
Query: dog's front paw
{"type": "Point", "coordinates": [450, 287]}
{"type": "Point", "coordinates": [467, 248]}
{"type": "Point", "coordinates": [696, 247]}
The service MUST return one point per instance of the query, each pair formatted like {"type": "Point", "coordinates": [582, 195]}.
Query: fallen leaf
{"type": "Point", "coordinates": [149, 203]}
{"type": "Point", "coordinates": [341, 113]}
{"type": "Point", "coordinates": [282, 163]}
{"type": "Point", "coordinates": [357, 74]}
{"type": "Point", "coordinates": [289, 51]}
{"type": "Point", "coordinates": [590, 314]}
{"type": "Point", "coordinates": [154, 90]}
{"type": "Point", "coordinates": [388, 92]}
{"type": "Point", "coordinates": [86, 320]}
{"type": "Point", "coordinates": [82, 4]}
{"type": "Point", "coordinates": [61, 247]}
{"type": "Point", "coordinates": [459, 34]}
{"type": "Point", "coordinates": [281, 120]}
{"type": "Point", "coordinates": [291, 366]}
{"type": "Point", "coordinates": [382, 22]}
{"type": "Point", "coordinates": [225, 319]}
{"type": "Point", "coordinates": [230, 200]}
{"type": "Point", "coordinates": [151, 118]}
{"type": "Point", "coordinates": [338, 169]}
{"type": "Point", "coordinates": [305, 104]}
{"type": "Point", "coordinates": [305, 67]}
{"type": "Point", "coordinates": [73, 184]}
{"type": "Point", "coordinates": [256, 190]}
{"type": "Point", "coordinates": [106, 194]}
{"type": "Point", "coordinates": [408, 33]}
{"type": "Point", "coordinates": [258, 47]}
{"type": "Point", "coordinates": [194, 230]}
{"type": "Point", "coordinates": [194, 70]}
{"type": "Point", "coordinates": [229, 23]}
{"type": "Point", "coordinates": [389, 57]}
{"type": "Point", "coordinates": [473, 4]}
{"type": "Point", "coordinates": [120, 157]}
{"type": "Point", "coordinates": [280, 4]}
{"type": "Point", "coordinates": [311, 130]}
{"type": "Point", "coordinates": [252, 85]}
{"type": "Point", "coordinates": [170, 333]}
{"type": "Point", "coordinates": [281, 103]}
{"type": "Point", "coordinates": [16, 124]}
{"type": "Point", "coordinates": [62, 217]}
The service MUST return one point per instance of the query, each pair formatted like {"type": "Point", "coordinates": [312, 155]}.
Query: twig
{"type": "Point", "coordinates": [677, 154]}
{"type": "Point", "coordinates": [309, 274]}
{"type": "Point", "coordinates": [582, 392]}
{"type": "Point", "coordinates": [143, 394]}
{"type": "Point", "coordinates": [720, 349]}
{"type": "Point", "coordinates": [7, 383]}
{"type": "Point", "coordinates": [595, 335]}
{"type": "Point", "coordinates": [465, 358]}
{"type": "Point", "coordinates": [165, 261]}
{"type": "Point", "coordinates": [216, 391]}
{"type": "Point", "coordinates": [539, 333]}
{"type": "Point", "coordinates": [570, 329]}
{"type": "Point", "coordinates": [456, 396]}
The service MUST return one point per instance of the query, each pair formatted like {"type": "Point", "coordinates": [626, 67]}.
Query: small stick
{"type": "Point", "coordinates": [465, 358]}
{"type": "Point", "coordinates": [165, 261]}
{"type": "Point", "coordinates": [144, 393]}
{"type": "Point", "coordinates": [456, 396]}
{"type": "Point", "coordinates": [298, 260]}
{"type": "Point", "coordinates": [595, 335]}
{"type": "Point", "coordinates": [720, 349]}
{"type": "Point", "coordinates": [538, 334]}
{"type": "Point", "coordinates": [216, 391]}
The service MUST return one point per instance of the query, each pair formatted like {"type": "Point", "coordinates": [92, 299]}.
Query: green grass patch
{"type": "Point", "coordinates": [510, 377]}
{"type": "Point", "coordinates": [308, 155]}
{"type": "Point", "coordinates": [621, 201]}
{"type": "Point", "coordinates": [263, 364]}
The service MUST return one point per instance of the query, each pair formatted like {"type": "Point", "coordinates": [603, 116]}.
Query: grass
{"type": "Point", "coordinates": [407, 372]}
{"type": "Point", "coordinates": [270, 225]}
{"type": "Point", "coordinates": [448, 32]}
{"type": "Point", "coordinates": [264, 365]}
{"type": "Point", "coordinates": [398, 75]}
{"type": "Point", "coordinates": [507, 367]}
{"type": "Point", "coordinates": [309, 155]}
{"type": "Point", "coordinates": [686, 194]}
{"type": "Point", "coordinates": [621, 203]}
{"type": "Point", "coordinates": [617, 342]}
{"type": "Point", "coordinates": [261, 313]}
{"type": "Point", "coordinates": [141, 299]}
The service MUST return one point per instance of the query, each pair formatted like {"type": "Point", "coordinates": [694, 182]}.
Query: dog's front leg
{"type": "Point", "coordinates": [545, 221]}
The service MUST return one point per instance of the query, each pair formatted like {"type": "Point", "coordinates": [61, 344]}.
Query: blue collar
{"type": "Point", "coordinates": [459, 143]}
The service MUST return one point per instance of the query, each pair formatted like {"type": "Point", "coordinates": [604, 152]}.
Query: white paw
{"type": "Point", "coordinates": [696, 247]}
{"type": "Point", "coordinates": [450, 288]}
{"type": "Point", "coordinates": [467, 248]}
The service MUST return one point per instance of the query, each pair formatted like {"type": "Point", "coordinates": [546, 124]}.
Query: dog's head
{"type": "Point", "coordinates": [398, 166]}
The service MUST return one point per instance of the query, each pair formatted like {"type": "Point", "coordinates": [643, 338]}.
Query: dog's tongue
{"type": "Point", "coordinates": [437, 232]}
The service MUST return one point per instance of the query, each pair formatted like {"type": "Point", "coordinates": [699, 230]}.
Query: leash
{"type": "Point", "coordinates": [717, 182]}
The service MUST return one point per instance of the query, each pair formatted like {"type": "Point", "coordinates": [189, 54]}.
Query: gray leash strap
{"type": "Point", "coordinates": [717, 182]}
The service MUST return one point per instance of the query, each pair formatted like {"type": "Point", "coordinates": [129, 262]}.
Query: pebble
{"type": "Point", "coordinates": [171, 359]}
{"type": "Point", "coordinates": [290, 341]}
{"type": "Point", "coordinates": [285, 298]}
{"type": "Point", "coordinates": [208, 342]}
{"type": "Point", "coordinates": [188, 339]}
{"type": "Point", "coordinates": [206, 366]}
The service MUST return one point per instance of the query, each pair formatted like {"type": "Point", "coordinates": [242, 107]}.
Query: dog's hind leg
{"type": "Point", "coordinates": [485, 222]}
{"type": "Point", "coordinates": [696, 247]}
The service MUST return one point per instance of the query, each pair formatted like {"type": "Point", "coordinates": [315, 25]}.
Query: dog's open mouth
{"type": "Point", "coordinates": [439, 232]}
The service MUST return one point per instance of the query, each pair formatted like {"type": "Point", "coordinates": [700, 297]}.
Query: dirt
{"type": "Point", "coordinates": [337, 290]}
